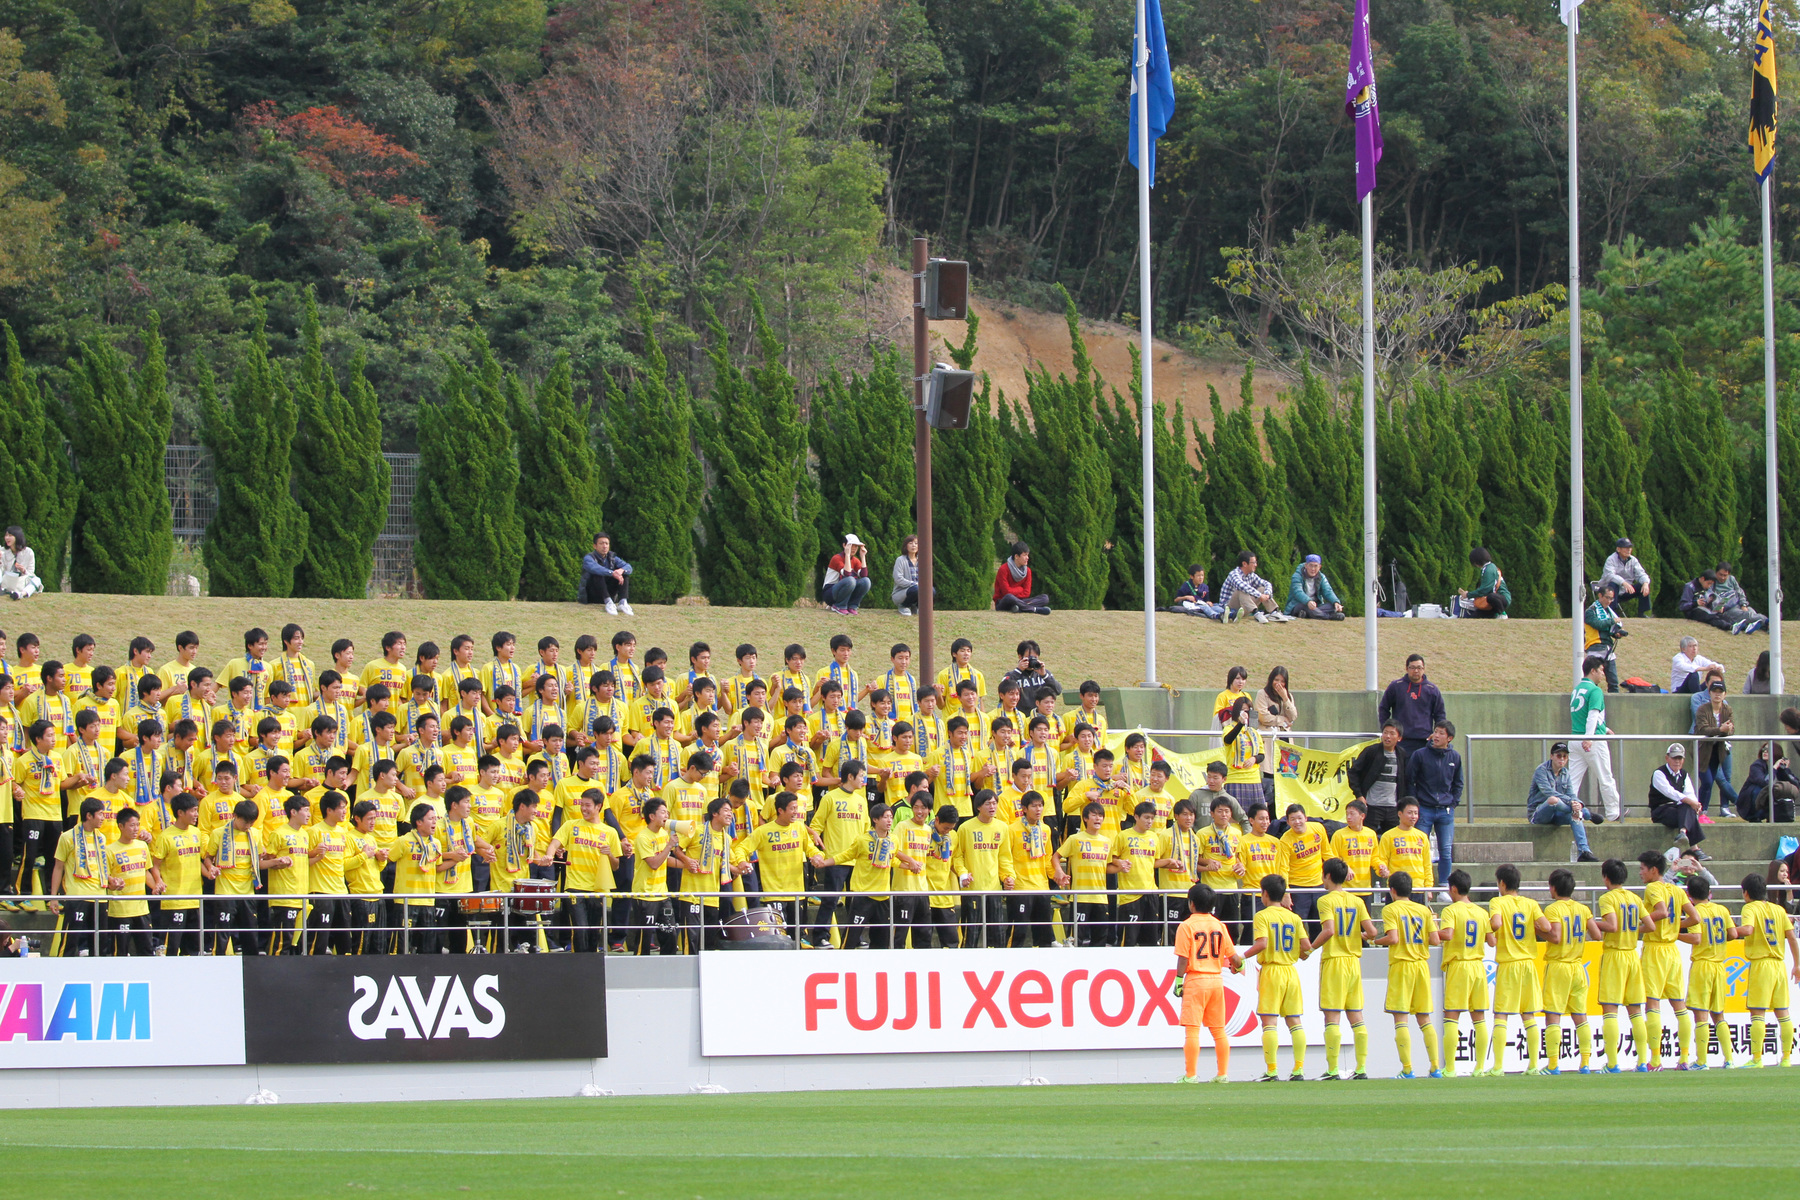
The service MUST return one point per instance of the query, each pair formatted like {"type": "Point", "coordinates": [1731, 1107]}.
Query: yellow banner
{"type": "Point", "coordinates": [1317, 779]}
{"type": "Point", "coordinates": [1762, 93]}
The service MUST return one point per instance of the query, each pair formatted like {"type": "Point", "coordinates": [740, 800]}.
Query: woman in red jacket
{"type": "Point", "coordinates": [1015, 588]}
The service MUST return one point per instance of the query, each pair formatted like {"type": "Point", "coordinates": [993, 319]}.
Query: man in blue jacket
{"type": "Point", "coordinates": [1310, 595]}
{"type": "Point", "coordinates": [605, 577]}
{"type": "Point", "coordinates": [1434, 778]}
{"type": "Point", "coordinates": [1414, 703]}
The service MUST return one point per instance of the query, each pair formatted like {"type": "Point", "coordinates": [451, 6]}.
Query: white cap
{"type": "Point", "coordinates": [1675, 750]}
{"type": "Point", "coordinates": [853, 540]}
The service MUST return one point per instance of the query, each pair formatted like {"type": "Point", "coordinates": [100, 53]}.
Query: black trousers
{"type": "Point", "coordinates": [1031, 919]}
{"type": "Point", "coordinates": [1140, 921]}
{"type": "Point", "coordinates": [623, 913]}
{"type": "Point", "coordinates": [130, 936]}
{"type": "Point", "coordinates": [180, 930]}
{"type": "Point", "coordinates": [1014, 604]}
{"type": "Point", "coordinates": [585, 915]}
{"type": "Point", "coordinates": [284, 924]}
{"type": "Point", "coordinates": [232, 920]}
{"type": "Point", "coordinates": [7, 875]}
{"type": "Point", "coordinates": [81, 924]}
{"type": "Point", "coordinates": [1380, 819]}
{"type": "Point", "coordinates": [985, 920]}
{"type": "Point", "coordinates": [364, 919]}
{"type": "Point", "coordinates": [37, 848]}
{"type": "Point", "coordinates": [869, 914]}
{"type": "Point", "coordinates": [831, 879]}
{"type": "Point", "coordinates": [328, 925]}
{"type": "Point", "coordinates": [701, 921]}
{"type": "Point", "coordinates": [654, 919]}
{"type": "Point", "coordinates": [1092, 928]}
{"type": "Point", "coordinates": [601, 588]}
{"type": "Point", "coordinates": [1682, 818]}
{"type": "Point", "coordinates": [422, 928]}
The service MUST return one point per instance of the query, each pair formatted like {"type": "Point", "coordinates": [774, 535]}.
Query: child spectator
{"type": "Point", "coordinates": [1193, 597]}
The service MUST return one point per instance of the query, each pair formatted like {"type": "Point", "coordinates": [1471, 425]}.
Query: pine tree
{"type": "Point", "coordinates": [1690, 479]}
{"type": "Point", "coordinates": [340, 476]}
{"type": "Point", "coordinates": [1247, 495]}
{"type": "Point", "coordinates": [862, 439]}
{"type": "Point", "coordinates": [1321, 457]}
{"type": "Point", "coordinates": [561, 488]}
{"type": "Point", "coordinates": [1613, 500]}
{"type": "Point", "coordinates": [37, 480]}
{"type": "Point", "coordinates": [258, 534]}
{"type": "Point", "coordinates": [470, 541]}
{"type": "Point", "coordinates": [119, 422]}
{"type": "Point", "coordinates": [655, 484]}
{"type": "Point", "coordinates": [1430, 501]}
{"type": "Point", "coordinates": [1060, 488]}
{"type": "Point", "coordinates": [759, 517]}
{"type": "Point", "coordinates": [1182, 536]}
{"type": "Point", "coordinates": [1515, 474]}
{"type": "Point", "coordinates": [968, 485]}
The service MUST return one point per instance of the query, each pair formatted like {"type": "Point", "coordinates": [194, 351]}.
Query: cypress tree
{"type": "Point", "coordinates": [1430, 501]}
{"type": "Point", "coordinates": [1182, 534]}
{"type": "Point", "coordinates": [37, 480]}
{"type": "Point", "coordinates": [759, 517]}
{"type": "Point", "coordinates": [561, 488]}
{"type": "Point", "coordinates": [1060, 487]}
{"type": "Point", "coordinates": [470, 541]}
{"type": "Point", "coordinates": [969, 469]}
{"type": "Point", "coordinates": [862, 440]}
{"type": "Point", "coordinates": [1613, 500]}
{"type": "Point", "coordinates": [1753, 570]}
{"type": "Point", "coordinates": [1321, 458]}
{"type": "Point", "coordinates": [258, 534]}
{"type": "Point", "coordinates": [655, 487]}
{"type": "Point", "coordinates": [1690, 482]}
{"type": "Point", "coordinates": [119, 421]}
{"type": "Point", "coordinates": [1515, 475]}
{"type": "Point", "coordinates": [340, 476]}
{"type": "Point", "coordinates": [1247, 495]}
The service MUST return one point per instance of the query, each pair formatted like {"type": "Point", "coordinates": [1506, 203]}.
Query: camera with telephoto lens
{"type": "Point", "coordinates": [1619, 630]}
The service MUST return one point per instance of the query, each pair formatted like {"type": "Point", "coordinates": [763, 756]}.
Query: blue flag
{"type": "Point", "coordinates": [1161, 83]}
{"type": "Point", "coordinates": [1359, 102]}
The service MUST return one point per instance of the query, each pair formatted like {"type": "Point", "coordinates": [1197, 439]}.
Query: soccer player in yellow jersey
{"type": "Point", "coordinates": [840, 672]}
{"type": "Point", "coordinates": [1764, 927]}
{"type": "Point", "coordinates": [393, 673]}
{"type": "Point", "coordinates": [951, 678]}
{"type": "Point", "coordinates": [79, 871]}
{"type": "Point", "coordinates": [53, 703]}
{"type": "Point", "coordinates": [652, 911]}
{"type": "Point", "coordinates": [782, 849]}
{"type": "Point", "coordinates": [1565, 975]}
{"type": "Point", "coordinates": [43, 775]}
{"type": "Point", "coordinates": [872, 859]}
{"type": "Point", "coordinates": [1219, 863]}
{"type": "Point", "coordinates": [1156, 792]}
{"type": "Point", "coordinates": [1179, 850]}
{"type": "Point", "coordinates": [416, 856]}
{"type": "Point", "coordinates": [232, 856]}
{"type": "Point", "coordinates": [1134, 858]}
{"type": "Point", "coordinates": [1088, 713]}
{"type": "Point", "coordinates": [179, 849]}
{"type": "Point", "coordinates": [912, 884]}
{"type": "Point", "coordinates": [328, 842]}
{"type": "Point", "coordinates": [1407, 848]}
{"type": "Point", "coordinates": [1357, 846]}
{"type": "Point", "coordinates": [902, 762]}
{"type": "Point", "coordinates": [954, 767]}
{"type": "Point", "coordinates": [1666, 914]}
{"type": "Point", "coordinates": [1280, 942]}
{"type": "Point", "coordinates": [1343, 925]}
{"type": "Point", "coordinates": [365, 857]}
{"type": "Point", "coordinates": [983, 863]}
{"type": "Point", "coordinates": [1620, 918]}
{"type": "Point", "coordinates": [593, 854]}
{"type": "Point", "coordinates": [1258, 853]}
{"type": "Point", "coordinates": [1518, 922]}
{"type": "Point", "coordinates": [130, 875]}
{"type": "Point", "coordinates": [1102, 786]}
{"type": "Point", "coordinates": [1084, 860]}
{"type": "Point", "coordinates": [1464, 933]}
{"type": "Point", "coordinates": [687, 795]}
{"type": "Point", "coordinates": [1302, 860]}
{"type": "Point", "coordinates": [707, 869]}
{"type": "Point", "coordinates": [1711, 929]}
{"type": "Point", "coordinates": [1409, 934]}
{"type": "Point", "coordinates": [1034, 862]}
{"type": "Point", "coordinates": [174, 673]}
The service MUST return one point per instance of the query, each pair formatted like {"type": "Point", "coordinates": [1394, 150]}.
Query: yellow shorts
{"type": "Point", "coordinates": [1340, 985]}
{"type": "Point", "coordinates": [1278, 991]}
{"type": "Point", "coordinates": [1706, 986]}
{"type": "Point", "coordinates": [1408, 987]}
{"type": "Point", "coordinates": [1662, 972]}
{"type": "Point", "coordinates": [1621, 977]}
{"type": "Point", "coordinates": [1517, 989]}
{"type": "Point", "coordinates": [1465, 985]}
{"type": "Point", "coordinates": [1566, 988]}
{"type": "Point", "coordinates": [1768, 984]}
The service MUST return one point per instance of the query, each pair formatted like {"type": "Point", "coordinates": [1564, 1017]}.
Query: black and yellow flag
{"type": "Point", "coordinates": [1762, 93]}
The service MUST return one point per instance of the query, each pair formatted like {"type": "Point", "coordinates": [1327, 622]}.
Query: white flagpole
{"type": "Point", "coordinates": [1146, 408]}
{"type": "Point", "coordinates": [1371, 570]}
{"type": "Point", "coordinates": [1773, 518]}
{"type": "Point", "coordinates": [1577, 505]}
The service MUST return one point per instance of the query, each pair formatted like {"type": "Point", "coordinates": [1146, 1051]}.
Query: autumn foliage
{"type": "Point", "coordinates": [337, 145]}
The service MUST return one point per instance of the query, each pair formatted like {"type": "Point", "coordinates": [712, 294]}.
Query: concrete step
{"type": "Point", "coordinates": [1737, 840]}
{"type": "Point", "coordinates": [1493, 852]}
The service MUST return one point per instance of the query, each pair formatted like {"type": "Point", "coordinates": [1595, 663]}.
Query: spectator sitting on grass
{"type": "Point", "coordinates": [1192, 597]}
{"type": "Point", "coordinates": [847, 577]}
{"type": "Point", "coordinates": [1552, 800]}
{"type": "Point", "coordinates": [1490, 597]}
{"type": "Point", "coordinates": [1734, 604]}
{"type": "Point", "coordinates": [1310, 595]}
{"type": "Point", "coordinates": [1687, 669]}
{"type": "Point", "coordinates": [1700, 601]}
{"type": "Point", "coordinates": [605, 577]}
{"type": "Point", "coordinates": [1756, 683]}
{"type": "Point", "coordinates": [1629, 579]}
{"type": "Point", "coordinates": [1015, 587]}
{"type": "Point", "coordinates": [1244, 588]}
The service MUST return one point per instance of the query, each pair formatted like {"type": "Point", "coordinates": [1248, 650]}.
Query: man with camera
{"type": "Point", "coordinates": [1031, 673]}
{"type": "Point", "coordinates": [1604, 629]}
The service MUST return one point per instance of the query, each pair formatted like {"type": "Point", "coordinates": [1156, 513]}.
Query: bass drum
{"type": "Point", "coordinates": [756, 929]}
{"type": "Point", "coordinates": [533, 895]}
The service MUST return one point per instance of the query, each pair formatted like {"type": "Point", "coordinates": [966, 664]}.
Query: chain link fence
{"type": "Point", "coordinates": [193, 501]}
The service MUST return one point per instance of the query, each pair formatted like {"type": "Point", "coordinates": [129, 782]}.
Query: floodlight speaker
{"type": "Point", "coordinates": [946, 290]}
{"type": "Point", "coordinates": [948, 394]}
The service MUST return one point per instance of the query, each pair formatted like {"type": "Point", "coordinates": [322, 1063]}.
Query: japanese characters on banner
{"type": "Point", "coordinates": [1317, 779]}
{"type": "Point", "coordinates": [934, 1001]}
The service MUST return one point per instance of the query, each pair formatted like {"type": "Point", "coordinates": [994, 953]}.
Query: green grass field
{"type": "Point", "coordinates": [1722, 1133]}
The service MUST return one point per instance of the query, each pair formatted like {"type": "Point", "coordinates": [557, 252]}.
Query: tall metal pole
{"type": "Point", "coordinates": [1773, 535]}
{"type": "Point", "coordinates": [922, 458]}
{"type": "Point", "coordinates": [1147, 406]}
{"type": "Point", "coordinates": [1577, 506]}
{"type": "Point", "coordinates": [1371, 568]}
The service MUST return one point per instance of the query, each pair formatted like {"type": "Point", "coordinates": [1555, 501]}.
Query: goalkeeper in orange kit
{"type": "Point", "coordinates": [1202, 947]}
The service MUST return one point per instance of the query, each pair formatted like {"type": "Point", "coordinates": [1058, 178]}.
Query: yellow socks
{"type": "Point", "coordinates": [1786, 1028]}
{"type": "Point", "coordinates": [1583, 1045]}
{"type": "Point", "coordinates": [1190, 1048]}
{"type": "Point", "coordinates": [1482, 1035]}
{"type": "Point", "coordinates": [1271, 1039]}
{"type": "Point", "coordinates": [1684, 1033]}
{"type": "Point", "coordinates": [1532, 1055]}
{"type": "Point", "coordinates": [1639, 1037]}
{"type": "Point", "coordinates": [1431, 1047]}
{"type": "Point", "coordinates": [1652, 1037]}
{"type": "Point", "coordinates": [1759, 1029]}
{"type": "Point", "coordinates": [1297, 1036]}
{"type": "Point", "coordinates": [1403, 1044]}
{"type": "Point", "coordinates": [1334, 1038]}
{"type": "Point", "coordinates": [1449, 1036]}
{"type": "Point", "coordinates": [1609, 1028]}
{"type": "Point", "coordinates": [1361, 1037]}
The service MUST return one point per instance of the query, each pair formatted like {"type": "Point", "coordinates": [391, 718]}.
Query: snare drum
{"type": "Point", "coordinates": [533, 895]}
{"type": "Point", "coordinates": [482, 905]}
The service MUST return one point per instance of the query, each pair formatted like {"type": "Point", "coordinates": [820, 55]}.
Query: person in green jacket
{"type": "Point", "coordinates": [1604, 629]}
{"type": "Point", "coordinates": [1310, 595]}
{"type": "Point", "coordinates": [1490, 597]}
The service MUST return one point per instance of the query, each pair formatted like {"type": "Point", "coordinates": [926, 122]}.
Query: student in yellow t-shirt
{"type": "Point", "coordinates": [1464, 932]}
{"type": "Point", "coordinates": [1301, 864]}
{"type": "Point", "coordinates": [287, 857]}
{"type": "Point", "coordinates": [1094, 717]}
{"type": "Point", "coordinates": [983, 863]}
{"type": "Point", "coordinates": [1409, 934]}
{"type": "Point", "coordinates": [1357, 846]}
{"type": "Point", "coordinates": [1712, 930]}
{"type": "Point", "coordinates": [328, 843]}
{"type": "Point", "coordinates": [130, 875]}
{"type": "Point", "coordinates": [914, 838]}
{"type": "Point", "coordinates": [43, 775]}
{"type": "Point", "coordinates": [951, 678]}
{"type": "Point", "coordinates": [365, 859]}
{"type": "Point", "coordinates": [782, 848]}
{"type": "Point", "coordinates": [174, 673]}
{"type": "Point", "coordinates": [79, 872]}
{"type": "Point", "coordinates": [706, 869]}
{"type": "Point", "coordinates": [179, 850]}
{"type": "Point", "coordinates": [416, 856]}
{"type": "Point", "coordinates": [592, 850]}
{"type": "Point", "coordinates": [1407, 848]}
{"type": "Point", "coordinates": [1219, 865]}
{"type": "Point", "coordinates": [1344, 925]}
{"type": "Point", "coordinates": [871, 859]}
{"type": "Point", "coordinates": [841, 817]}
{"type": "Point", "coordinates": [233, 854]}
{"type": "Point", "coordinates": [1135, 853]}
{"type": "Point", "coordinates": [1518, 922]}
{"type": "Point", "coordinates": [1034, 862]}
{"type": "Point", "coordinates": [1083, 862]}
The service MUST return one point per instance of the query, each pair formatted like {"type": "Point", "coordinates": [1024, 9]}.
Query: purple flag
{"type": "Point", "coordinates": [1359, 102]}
